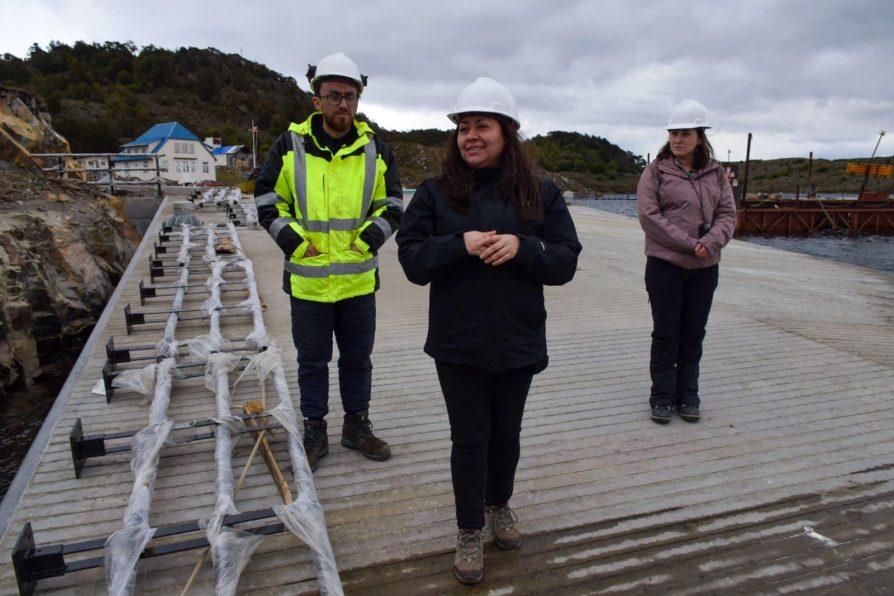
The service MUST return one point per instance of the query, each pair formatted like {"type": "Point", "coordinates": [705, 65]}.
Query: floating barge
{"type": "Point", "coordinates": [873, 213]}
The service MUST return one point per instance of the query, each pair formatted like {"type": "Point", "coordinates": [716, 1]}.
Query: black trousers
{"type": "Point", "coordinates": [485, 411]}
{"type": "Point", "coordinates": [353, 322]}
{"type": "Point", "coordinates": [681, 302]}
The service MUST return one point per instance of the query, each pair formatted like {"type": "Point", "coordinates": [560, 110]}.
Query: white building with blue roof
{"type": "Point", "coordinates": [227, 156]}
{"type": "Point", "coordinates": [182, 157]}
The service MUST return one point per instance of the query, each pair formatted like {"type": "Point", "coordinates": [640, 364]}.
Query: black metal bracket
{"type": "Point", "coordinates": [155, 271]}
{"type": "Point", "coordinates": [108, 373]}
{"type": "Point", "coordinates": [146, 292]}
{"type": "Point", "coordinates": [33, 563]}
{"type": "Point", "coordinates": [131, 318]}
{"type": "Point", "coordinates": [84, 447]}
{"type": "Point", "coordinates": [117, 355]}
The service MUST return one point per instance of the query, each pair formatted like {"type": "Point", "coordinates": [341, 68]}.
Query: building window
{"type": "Point", "coordinates": [204, 167]}
{"type": "Point", "coordinates": [177, 162]}
{"type": "Point", "coordinates": [192, 149]}
{"type": "Point", "coordinates": [192, 167]}
{"type": "Point", "coordinates": [164, 165]}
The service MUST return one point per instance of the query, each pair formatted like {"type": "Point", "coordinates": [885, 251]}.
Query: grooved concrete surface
{"type": "Point", "coordinates": [787, 483]}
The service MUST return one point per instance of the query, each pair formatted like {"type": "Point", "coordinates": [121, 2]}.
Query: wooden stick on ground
{"type": "Point", "coordinates": [255, 407]}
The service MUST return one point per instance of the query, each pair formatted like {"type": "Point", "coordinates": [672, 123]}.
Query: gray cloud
{"type": "Point", "coordinates": [800, 75]}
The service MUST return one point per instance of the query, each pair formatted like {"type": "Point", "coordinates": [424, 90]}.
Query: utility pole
{"type": "Point", "coordinates": [745, 175]}
{"type": "Point", "coordinates": [869, 165]}
{"type": "Point", "coordinates": [254, 144]}
{"type": "Point", "coordinates": [811, 194]}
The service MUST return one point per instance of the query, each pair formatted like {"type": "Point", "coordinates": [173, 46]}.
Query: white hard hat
{"type": "Point", "coordinates": [335, 65]}
{"type": "Point", "coordinates": [485, 96]}
{"type": "Point", "coordinates": [688, 114]}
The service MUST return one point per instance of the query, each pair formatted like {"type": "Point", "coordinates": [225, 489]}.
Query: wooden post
{"type": "Point", "coordinates": [745, 174]}
{"type": "Point", "coordinates": [810, 192]}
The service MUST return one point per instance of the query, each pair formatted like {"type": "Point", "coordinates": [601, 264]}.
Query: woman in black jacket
{"type": "Point", "coordinates": [488, 236]}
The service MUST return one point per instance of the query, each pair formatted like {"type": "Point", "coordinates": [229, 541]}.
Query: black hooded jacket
{"type": "Point", "coordinates": [480, 315]}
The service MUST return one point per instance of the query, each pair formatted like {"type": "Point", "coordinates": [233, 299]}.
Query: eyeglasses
{"type": "Point", "coordinates": [334, 99]}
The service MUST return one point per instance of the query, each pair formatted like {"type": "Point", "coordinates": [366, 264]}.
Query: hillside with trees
{"type": "Point", "coordinates": [102, 95]}
{"type": "Point", "coordinates": [790, 175]}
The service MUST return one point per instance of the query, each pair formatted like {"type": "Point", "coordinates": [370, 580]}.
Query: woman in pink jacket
{"type": "Point", "coordinates": [687, 210]}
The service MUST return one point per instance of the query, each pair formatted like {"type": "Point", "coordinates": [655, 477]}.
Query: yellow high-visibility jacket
{"type": "Point", "coordinates": [307, 195]}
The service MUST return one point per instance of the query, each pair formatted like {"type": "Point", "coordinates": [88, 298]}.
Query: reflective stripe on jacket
{"type": "Point", "coordinates": [307, 196]}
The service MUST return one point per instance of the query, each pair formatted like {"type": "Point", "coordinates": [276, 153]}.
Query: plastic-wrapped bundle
{"type": "Point", "coordinates": [304, 516]}
{"type": "Point", "coordinates": [141, 380]}
{"type": "Point", "coordinates": [250, 210]}
{"type": "Point", "coordinates": [231, 549]}
{"type": "Point", "coordinates": [123, 548]}
{"type": "Point", "coordinates": [183, 253]}
{"type": "Point", "coordinates": [212, 306]}
{"type": "Point", "coordinates": [257, 338]}
{"type": "Point", "coordinates": [167, 346]}
{"type": "Point", "coordinates": [217, 381]}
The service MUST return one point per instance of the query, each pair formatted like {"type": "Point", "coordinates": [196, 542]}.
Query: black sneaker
{"type": "Point", "coordinates": [661, 414]}
{"type": "Point", "coordinates": [688, 413]}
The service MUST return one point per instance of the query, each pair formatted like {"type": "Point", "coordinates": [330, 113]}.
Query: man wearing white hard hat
{"type": "Point", "coordinates": [687, 211]}
{"type": "Point", "coordinates": [330, 195]}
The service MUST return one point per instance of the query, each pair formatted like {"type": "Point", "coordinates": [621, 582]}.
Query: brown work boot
{"type": "Point", "coordinates": [316, 442]}
{"type": "Point", "coordinates": [504, 522]}
{"type": "Point", "coordinates": [356, 433]}
{"type": "Point", "coordinates": [468, 563]}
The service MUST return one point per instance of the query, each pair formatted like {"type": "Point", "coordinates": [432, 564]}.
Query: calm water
{"type": "Point", "coordinates": [23, 413]}
{"type": "Point", "coordinates": [871, 250]}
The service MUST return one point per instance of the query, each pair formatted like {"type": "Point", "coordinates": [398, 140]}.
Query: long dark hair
{"type": "Point", "coordinates": [518, 185]}
{"type": "Point", "coordinates": [704, 152]}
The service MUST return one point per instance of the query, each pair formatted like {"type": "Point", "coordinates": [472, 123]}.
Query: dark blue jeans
{"type": "Point", "coordinates": [485, 411]}
{"type": "Point", "coordinates": [353, 321]}
{"type": "Point", "coordinates": [681, 302]}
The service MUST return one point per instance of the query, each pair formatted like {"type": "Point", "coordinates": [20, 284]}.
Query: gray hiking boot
{"type": "Point", "coordinates": [468, 563]}
{"type": "Point", "coordinates": [316, 442]}
{"type": "Point", "coordinates": [504, 524]}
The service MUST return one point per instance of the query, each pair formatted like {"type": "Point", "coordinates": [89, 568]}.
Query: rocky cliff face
{"type": "Point", "coordinates": [63, 248]}
{"type": "Point", "coordinates": [25, 128]}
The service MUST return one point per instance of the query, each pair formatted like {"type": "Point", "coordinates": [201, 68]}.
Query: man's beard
{"type": "Point", "coordinates": [340, 122]}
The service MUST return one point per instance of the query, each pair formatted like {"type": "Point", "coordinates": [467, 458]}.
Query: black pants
{"type": "Point", "coordinates": [681, 301]}
{"type": "Point", "coordinates": [485, 411]}
{"type": "Point", "coordinates": [353, 322]}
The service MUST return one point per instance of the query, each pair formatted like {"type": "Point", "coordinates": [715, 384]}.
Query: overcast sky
{"type": "Point", "coordinates": [801, 75]}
